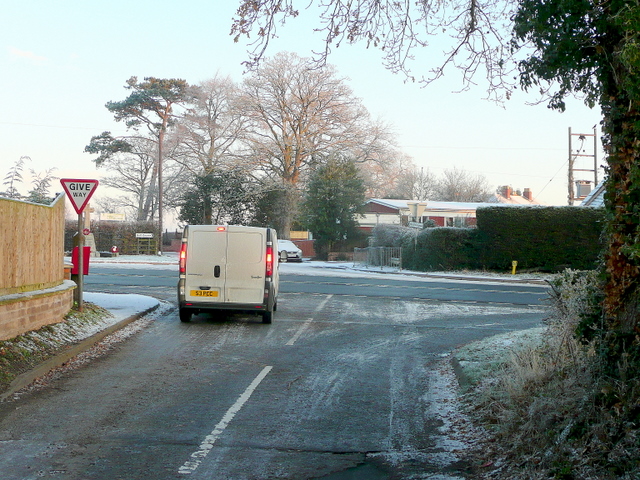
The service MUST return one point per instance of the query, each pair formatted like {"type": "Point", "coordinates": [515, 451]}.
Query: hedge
{"type": "Point", "coordinates": [119, 234]}
{"type": "Point", "coordinates": [539, 238]}
{"type": "Point", "coordinates": [441, 248]}
{"type": "Point", "coordinates": [542, 238]}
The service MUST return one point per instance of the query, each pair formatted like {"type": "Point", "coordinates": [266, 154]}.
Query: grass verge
{"type": "Point", "coordinates": [24, 352]}
{"type": "Point", "coordinates": [549, 408]}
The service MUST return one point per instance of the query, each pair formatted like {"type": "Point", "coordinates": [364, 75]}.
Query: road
{"type": "Point", "coordinates": [161, 282]}
{"type": "Point", "coordinates": [341, 386]}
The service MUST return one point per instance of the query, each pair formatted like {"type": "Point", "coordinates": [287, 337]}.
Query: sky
{"type": "Point", "coordinates": [62, 61]}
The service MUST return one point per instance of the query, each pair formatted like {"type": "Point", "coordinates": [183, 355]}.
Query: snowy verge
{"type": "Point", "coordinates": [33, 354]}
{"type": "Point", "coordinates": [121, 306]}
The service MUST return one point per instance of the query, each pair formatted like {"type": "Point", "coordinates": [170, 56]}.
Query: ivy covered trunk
{"type": "Point", "coordinates": [622, 259]}
{"type": "Point", "coordinates": [620, 103]}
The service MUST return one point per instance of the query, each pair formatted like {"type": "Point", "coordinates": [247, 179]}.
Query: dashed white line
{"type": "Point", "coordinates": [199, 455]}
{"type": "Point", "coordinates": [306, 324]}
{"type": "Point", "coordinates": [302, 328]}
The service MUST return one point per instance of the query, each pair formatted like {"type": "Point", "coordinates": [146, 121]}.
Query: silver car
{"type": "Point", "coordinates": [294, 254]}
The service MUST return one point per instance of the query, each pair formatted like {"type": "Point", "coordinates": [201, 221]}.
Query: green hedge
{"type": "Point", "coordinates": [442, 248]}
{"type": "Point", "coordinates": [542, 238]}
{"type": "Point", "coordinates": [119, 234]}
{"type": "Point", "coordinates": [546, 239]}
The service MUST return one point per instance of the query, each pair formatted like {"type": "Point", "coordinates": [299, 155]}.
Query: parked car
{"type": "Point", "coordinates": [294, 254]}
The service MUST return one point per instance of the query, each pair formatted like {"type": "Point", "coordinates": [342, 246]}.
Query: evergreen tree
{"type": "Point", "coordinates": [217, 199]}
{"type": "Point", "coordinates": [335, 196]}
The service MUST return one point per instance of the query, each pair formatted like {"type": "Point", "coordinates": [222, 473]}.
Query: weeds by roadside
{"type": "Point", "coordinates": [549, 408]}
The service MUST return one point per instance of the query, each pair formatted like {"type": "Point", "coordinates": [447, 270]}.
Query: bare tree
{"type": "Point", "coordinates": [208, 135]}
{"type": "Point", "coordinates": [382, 178]}
{"type": "Point", "coordinates": [299, 116]}
{"type": "Point", "coordinates": [458, 185]}
{"type": "Point", "coordinates": [475, 32]}
{"type": "Point", "coordinates": [416, 184]}
{"type": "Point", "coordinates": [134, 174]}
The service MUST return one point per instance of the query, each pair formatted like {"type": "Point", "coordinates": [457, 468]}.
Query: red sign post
{"type": "Point", "coordinates": [79, 192]}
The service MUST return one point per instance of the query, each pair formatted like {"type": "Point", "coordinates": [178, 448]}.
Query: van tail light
{"type": "Point", "coordinates": [269, 272]}
{"type": "Point", "coordinates": [183, 257]}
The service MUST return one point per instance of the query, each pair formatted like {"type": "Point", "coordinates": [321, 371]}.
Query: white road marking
{"type": "Point", "coordinates": [322, 303]}
{"type": "Point", "coordinates": [302, 328]}
{"type": "Point", "coordinates": [207, 444]}
{"type": "Point", "coordinates": [306, 324]}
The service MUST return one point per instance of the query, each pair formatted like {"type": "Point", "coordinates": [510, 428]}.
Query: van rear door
{"type": "Point", "coordinates": [245, 268]}
{"type": "Point", "coordinates": [226, 265]}
{"type": "Point", "coordinates": [207, 251]}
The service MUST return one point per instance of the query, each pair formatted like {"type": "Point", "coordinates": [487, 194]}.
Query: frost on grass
{"type": "Point", "coordinates": [21, 353]}
{"type": "Point", "coordinates": [547, 404]}
{"type": "Point", "coordinates": [482, 360]}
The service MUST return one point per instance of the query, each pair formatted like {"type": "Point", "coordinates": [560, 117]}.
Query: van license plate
{"type": "Point", "coordinates": [204, 293]}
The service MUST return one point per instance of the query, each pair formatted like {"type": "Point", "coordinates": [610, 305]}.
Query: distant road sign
{"type": "Point", "coordinates": [144, 235]}
{"type": "Point", "coordinates": [113, 217]}
{"type": "Point", "coordinates": [79, 191]}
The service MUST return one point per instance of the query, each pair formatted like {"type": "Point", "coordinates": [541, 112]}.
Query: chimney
{"type": "Point", "coordinates": [506, 191]}
{"type": "Point", "coordinates": [527, 194]}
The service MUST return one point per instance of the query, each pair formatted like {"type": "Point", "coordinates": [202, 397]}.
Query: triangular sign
{"type": "Point", "coordinates": [79, 191]}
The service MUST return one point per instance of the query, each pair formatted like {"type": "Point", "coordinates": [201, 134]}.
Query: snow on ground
{"type": "Point", "coordinates": [121, 306]}
{"type": "Point", "coordinates": [125, 305]}
{"type": "Point", "coordinates": [169, 261]}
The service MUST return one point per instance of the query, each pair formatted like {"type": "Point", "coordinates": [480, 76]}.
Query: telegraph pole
{"type": "Point", "coordinates": [580, 152]}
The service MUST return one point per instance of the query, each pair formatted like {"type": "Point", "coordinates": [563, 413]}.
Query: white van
{"type": "Point", "coordinates": [228, 267]}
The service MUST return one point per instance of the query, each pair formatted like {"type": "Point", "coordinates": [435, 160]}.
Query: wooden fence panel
{"type": "Point", "coordinates": [32, 245]}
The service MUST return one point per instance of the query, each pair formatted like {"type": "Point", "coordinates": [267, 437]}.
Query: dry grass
{"type": "Point", "coordinates": [544, 407]}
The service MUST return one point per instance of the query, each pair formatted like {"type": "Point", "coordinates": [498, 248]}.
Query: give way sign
{"type": "Point", "coordinates": [79, 191]}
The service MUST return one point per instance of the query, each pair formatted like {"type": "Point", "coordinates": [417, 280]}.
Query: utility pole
{"type": "Point", "coordinates": [580, 152]}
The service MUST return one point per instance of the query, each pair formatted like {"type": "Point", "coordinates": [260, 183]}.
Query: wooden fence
{"type": "Point", "coordinates": [32, 245]}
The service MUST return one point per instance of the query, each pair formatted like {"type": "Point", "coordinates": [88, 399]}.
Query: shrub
{"type": "Point", "coordinates": [542, 238]}
{"type": "Point", "coordinates": [443, 248]}
{"type": "Point", "coordinates": [108, 234]}
{"type": "Point", "coordinates": [543, 404]}
{"type": "Point", "coordinates": [547, 239]}
{"type": "Point", "coordinates": [386, 235]}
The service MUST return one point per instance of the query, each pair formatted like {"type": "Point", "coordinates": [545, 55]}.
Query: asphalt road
{"type": "Point", "coordinates": [160, 283]}
{"type": "Point", "coordinates": [341, 386]}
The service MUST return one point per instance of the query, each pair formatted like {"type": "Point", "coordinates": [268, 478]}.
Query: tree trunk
{"type": "Point", "coordinates": [160, 184]}
{"type": "Point", "coordinates": [146, 214]}
{"type": "Point", "coordinates": [622, 259]}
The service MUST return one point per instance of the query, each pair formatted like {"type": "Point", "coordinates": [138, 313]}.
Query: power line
{"type": "Point", "coordinates": [47, 126]}
{"type": "Point", "coordinates": [436, 147]}
{"type": "Point", "coordinates": [554, 176]}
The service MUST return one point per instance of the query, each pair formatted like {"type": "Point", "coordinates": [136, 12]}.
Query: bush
{"type": "Point", "coordinates": [542, 238]}
{"type": "Point", "coordinates": [443, 248]}
{"type": "Point", "coordinates": [386, 235]}
{"type": "Point", "coordinates": [109, 234]}
{"type": "Point", "coordinates": [543, 403]}
{"type": "Point", "coordinates": [547, 239]}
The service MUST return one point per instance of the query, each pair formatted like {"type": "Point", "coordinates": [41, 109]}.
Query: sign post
{"type": "Point", "coordinates": [79, 192]}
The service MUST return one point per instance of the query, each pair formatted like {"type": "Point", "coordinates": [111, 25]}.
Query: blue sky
{"type": "Point", "coordinates": [62, 61]}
